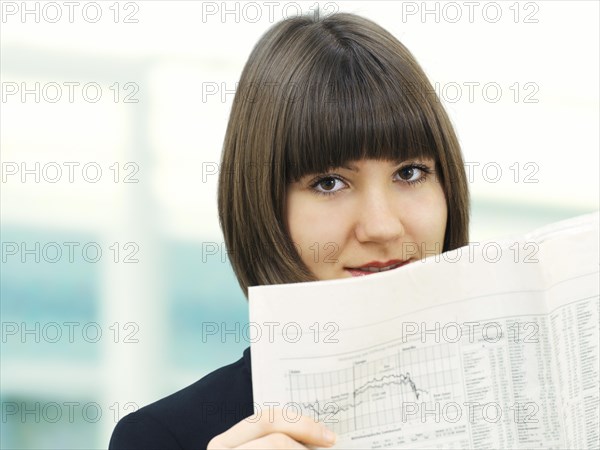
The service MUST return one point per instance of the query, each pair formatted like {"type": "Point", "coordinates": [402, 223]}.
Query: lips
{"type": "Point", "coordinates": [376, 267]}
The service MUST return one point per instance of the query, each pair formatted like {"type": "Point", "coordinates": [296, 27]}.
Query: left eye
{"type": "Point", "coordinates": [410, 173]}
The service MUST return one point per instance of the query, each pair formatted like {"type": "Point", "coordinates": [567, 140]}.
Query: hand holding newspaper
{"type": "Point", "coordinates": [495, 346]}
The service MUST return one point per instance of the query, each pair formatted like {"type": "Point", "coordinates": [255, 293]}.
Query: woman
{"type": "Point", "coordinates": [338, 161]}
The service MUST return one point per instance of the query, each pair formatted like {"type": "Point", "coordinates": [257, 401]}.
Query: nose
{"type": "Point", "coordinates": [379, 219]}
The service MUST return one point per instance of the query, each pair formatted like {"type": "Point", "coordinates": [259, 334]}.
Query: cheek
{"type": "Point", "coordinates": [311, 222]}
{"type": "Point", "coordinates": [432, 219]}
{"type": "Point", "coordinates": [424, 216]}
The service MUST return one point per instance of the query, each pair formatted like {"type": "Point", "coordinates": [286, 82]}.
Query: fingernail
{"type": "Point", "coordinates": [329, 435]}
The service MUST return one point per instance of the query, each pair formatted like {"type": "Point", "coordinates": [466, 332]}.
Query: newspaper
{"type": "Point", "coordinates": [488, 346]}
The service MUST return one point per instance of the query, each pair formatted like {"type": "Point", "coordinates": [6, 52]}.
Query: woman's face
{"type": "Point", "coordinates": [369, 216]}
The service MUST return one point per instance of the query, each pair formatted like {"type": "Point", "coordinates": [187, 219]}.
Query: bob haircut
{"type": "Point", "coordinates": [313, 95]}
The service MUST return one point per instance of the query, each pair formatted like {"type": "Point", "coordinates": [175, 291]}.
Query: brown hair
{"type": "Point", "coordinates": [313, 95]}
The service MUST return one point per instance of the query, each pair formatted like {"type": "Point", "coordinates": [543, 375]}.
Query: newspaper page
{"type": "Point", "coordinates": [487, 346]}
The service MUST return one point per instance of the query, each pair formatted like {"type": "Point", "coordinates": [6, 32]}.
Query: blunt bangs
{"type": "Point", "coordinates": [363, 109]}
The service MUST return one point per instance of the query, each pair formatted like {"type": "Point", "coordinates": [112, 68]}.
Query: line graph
{"type": "Point", "coordinates": [372, 390]}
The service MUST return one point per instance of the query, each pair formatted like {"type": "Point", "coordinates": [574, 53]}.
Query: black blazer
{"type": "Point", "coordinates": [191, 417]}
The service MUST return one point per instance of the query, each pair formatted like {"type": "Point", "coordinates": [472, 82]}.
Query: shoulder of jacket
{"type": "Point", "coordinates": [141, 430]}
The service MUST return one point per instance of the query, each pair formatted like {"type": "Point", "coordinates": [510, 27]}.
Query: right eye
{"type": "Point", "coordinates": [327, 185]}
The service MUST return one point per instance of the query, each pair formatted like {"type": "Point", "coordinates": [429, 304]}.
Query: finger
{"type": "Point", "coordinates": [303, 429]}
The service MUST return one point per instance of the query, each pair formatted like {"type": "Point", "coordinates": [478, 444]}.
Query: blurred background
{"type": "Point", "coordinates": [116, 288]}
